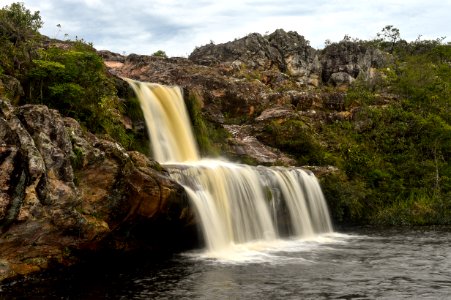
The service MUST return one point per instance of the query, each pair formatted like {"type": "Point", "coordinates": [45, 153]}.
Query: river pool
{"type": "Point", "coordinates": [358, 263]}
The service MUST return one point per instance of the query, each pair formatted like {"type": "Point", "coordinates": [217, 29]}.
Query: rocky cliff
{"type": "Point", "coordinates": [64, 191]}
{"type": "Point", "coordinates": [245, 85]}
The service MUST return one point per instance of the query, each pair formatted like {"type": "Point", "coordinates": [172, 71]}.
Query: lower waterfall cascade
{"type": "Point", "coordinates": [235, 203]}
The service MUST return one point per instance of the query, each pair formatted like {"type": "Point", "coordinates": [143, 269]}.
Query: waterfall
{"type": "Point", "coordinates": [235, 203]}
{"type": "Point", "coordinates": [167, 121]}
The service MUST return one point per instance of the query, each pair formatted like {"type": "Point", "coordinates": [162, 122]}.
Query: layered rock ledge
{"type": "Point", "coordinates": [65, 192]}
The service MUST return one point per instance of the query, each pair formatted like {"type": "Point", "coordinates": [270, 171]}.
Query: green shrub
{"type": "Point", "coordinates": [296, 138]}
{"type": "Point", "coordinates": [160, 53]}
{"type": "Point", "coordinates": [209, 137]}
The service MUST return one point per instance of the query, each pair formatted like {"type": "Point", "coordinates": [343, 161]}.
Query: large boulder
{"type": "Point", "coordinates": [299, 59]}
{"type": "Point", "coordinates": [343, 62]}
{"type": "Point", "coordinates": [64, 192]}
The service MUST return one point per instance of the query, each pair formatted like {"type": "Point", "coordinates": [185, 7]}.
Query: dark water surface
{"type": "Point", "coordinates": [356, 264]}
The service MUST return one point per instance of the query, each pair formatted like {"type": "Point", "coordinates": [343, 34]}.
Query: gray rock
{"type": "Point", "coordinates": [354, 58]}
{"type": "Point", "coordinates": [291, 54]}
{"type": "Point", "coordinates": [285, 52]}
{"type": "Point", "coordinates": [341, 79]}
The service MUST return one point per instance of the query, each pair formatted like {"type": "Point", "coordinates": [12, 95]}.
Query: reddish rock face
{"type": "Point", "coordinates": [64, 191]}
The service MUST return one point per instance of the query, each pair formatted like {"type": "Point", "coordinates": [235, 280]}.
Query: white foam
{"type": "Point", "coordinates": [273, 252]}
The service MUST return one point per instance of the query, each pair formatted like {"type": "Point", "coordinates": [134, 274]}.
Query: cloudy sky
{"type": "Point", "coordinates": [177, 27]}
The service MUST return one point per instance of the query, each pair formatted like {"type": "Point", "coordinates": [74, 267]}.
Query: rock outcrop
{"type": "Point", "coordinates": [285, 52]}
{"type": "Point", "coordinates": [343, 62]}
{"type": "Point", "coordinates": [64, 191]}
{"type": "Point", "coordinates": [289, 53]}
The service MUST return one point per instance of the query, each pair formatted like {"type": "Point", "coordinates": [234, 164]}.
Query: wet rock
{"type": "Point", "coordinates": [64, 191]}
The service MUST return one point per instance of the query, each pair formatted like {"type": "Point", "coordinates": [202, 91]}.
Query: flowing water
{"type": "Point", "coordinates": [235, 203]}
{"type": "Point", "coordinates": [406, 263]}
{"type": "Point", "coordinates": [167, 122]}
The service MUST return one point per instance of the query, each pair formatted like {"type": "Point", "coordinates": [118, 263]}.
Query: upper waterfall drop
{"type": "Point", "coordinates": [167, 122]}
{"type": "Point", "coordinates": [236, 203]}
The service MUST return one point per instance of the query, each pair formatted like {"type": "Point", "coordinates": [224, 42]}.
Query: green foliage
{"type": "Point", "coordinates": [359, 94]}
{"type": "Point", "coordinates": [396, 153]}
{"type": "Point", "coordinates": [74, 81]}
{"type": "Point", "coordinates": [133, 109]}
{"type": "Point", "coordinates": [418, 209]}
{"type": "Point", "coordinates": [296, 138]}
{"type": "Point", "coordinates": [18, 23]}
{"type": "Point", "coordinates": [71, 77]}
{"type": "Point", "coordinates": [77, 158]}
{"type": "Point", "coordinates": [160, 53]}
{"type": "Point", "coordinates": [400, 152]}
{"type": "Point", "coordinates": [425, 81]}
{"type": "Point", "coordinates": [18, 38]}
{"type": "Point", "coordinates": [209, 136]}
{"type": "Point", "coordinates": [345, 197]}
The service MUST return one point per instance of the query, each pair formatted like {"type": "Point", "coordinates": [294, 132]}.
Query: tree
{"type": "Point", "coordinates": [18, 23]}
{"type": "Point", "coordinates": [18, 35]}
{"type": "Point", "coordinates": [390, 35]}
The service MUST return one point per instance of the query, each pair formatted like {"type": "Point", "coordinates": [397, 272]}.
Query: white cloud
{"type": "Point", "coordinates": [177, 26]}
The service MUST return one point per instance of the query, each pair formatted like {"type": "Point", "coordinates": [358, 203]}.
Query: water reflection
{"type": "Point", "coordinates": [389, 264]}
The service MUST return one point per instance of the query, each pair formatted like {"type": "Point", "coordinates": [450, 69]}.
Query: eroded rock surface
{"type": "Point", "coordinates": [65, 191]}
{"type": "Point", "coordinates": [244, 143]}
{"type": "Point", "coordinates": [290, 53]}
{"type": "Point", "coordinates": [343, 62]}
